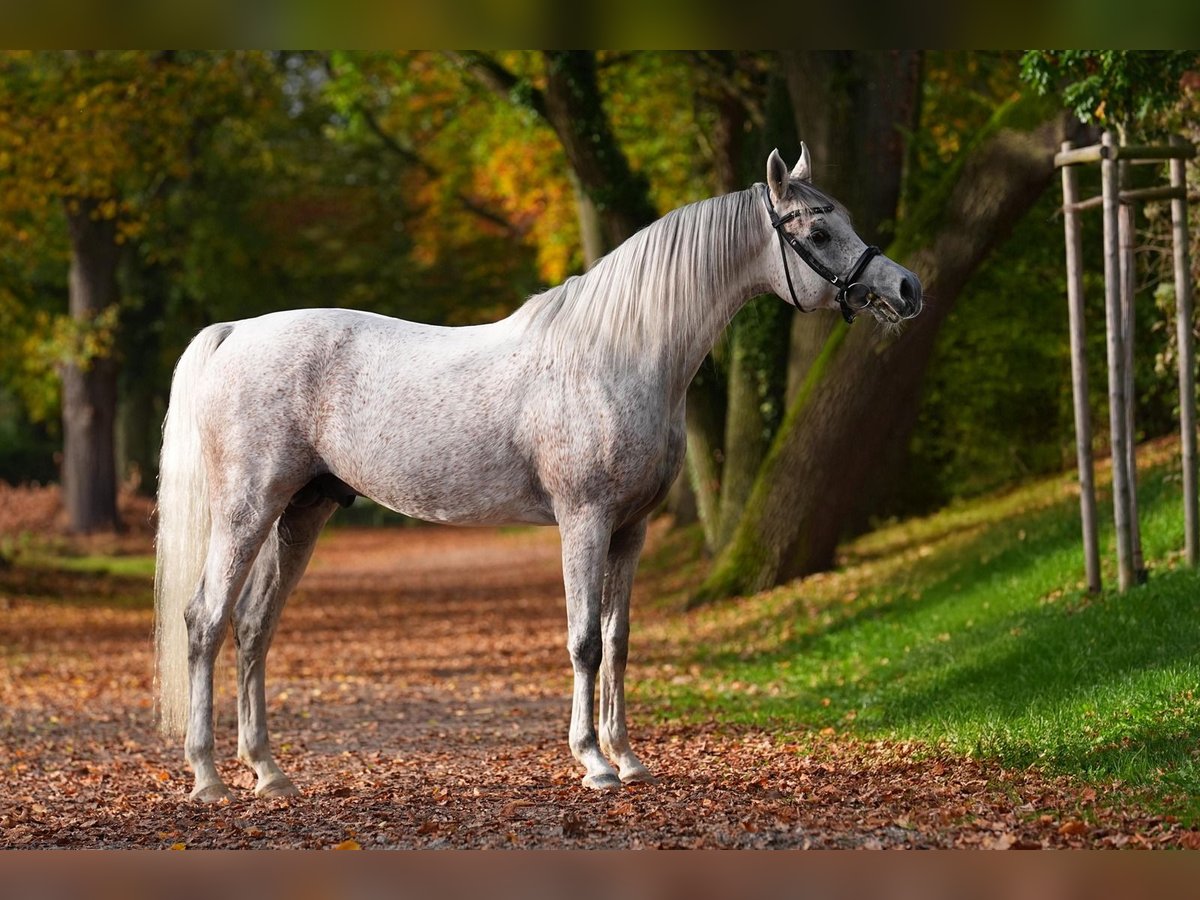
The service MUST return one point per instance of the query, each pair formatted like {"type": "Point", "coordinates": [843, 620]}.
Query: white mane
{"type": "Point", "coordinates": [648, 296]}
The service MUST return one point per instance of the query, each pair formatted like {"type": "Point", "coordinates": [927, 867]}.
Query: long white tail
{"type": "Point", "coordinates": [183, 529]}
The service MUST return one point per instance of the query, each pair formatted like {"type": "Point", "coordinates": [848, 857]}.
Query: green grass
{"type": "Point", "coordinates": [970, 630]}
{"type": "Point", "coordinates": [99, 564]}
{"type": "Point", "coordinates": [49, 570]}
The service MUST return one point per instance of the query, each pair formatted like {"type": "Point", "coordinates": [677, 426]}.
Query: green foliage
{"type": "Point", "coordinates": [997, 402]}
{"type": "Point", "coordinates": [996, 407]}
{"type": "Point", "coordinates": [1126, 88]}
{"type": "Point", "coordinates": [971, 630]}
{"type": "Point", "coordinates": [26, 447]}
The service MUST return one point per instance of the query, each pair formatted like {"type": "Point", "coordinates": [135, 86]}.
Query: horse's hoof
{"type": "Point", "coordinates": [606, 781]}
{"type": "Point", "coordinates": [214, 792]}
{"type": "Point", "coordinates": [640, 775]}
{"type": "Point", "coordinates": [279, 786]}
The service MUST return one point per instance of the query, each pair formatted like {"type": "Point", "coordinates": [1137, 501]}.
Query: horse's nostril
{"type": "Point", "coordinates": [910, 292]}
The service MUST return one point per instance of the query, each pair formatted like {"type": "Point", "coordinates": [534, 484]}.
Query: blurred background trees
{"type": "Point", "coordinates": [144, 195]}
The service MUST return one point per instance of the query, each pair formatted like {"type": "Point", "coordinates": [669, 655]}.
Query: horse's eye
{"type": "Point", "coordinates": [819, 237]}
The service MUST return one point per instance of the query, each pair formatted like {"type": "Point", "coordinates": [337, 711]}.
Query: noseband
{"type": "Point", "coordinates": [852, 296]}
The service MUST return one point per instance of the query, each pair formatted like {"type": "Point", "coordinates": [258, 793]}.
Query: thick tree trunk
{"type": "Point", "coordinates": [89, 404]}
{"type": "Point", "coordinates": [852, 108]}
{"type": "Point", "coordinates": [859, 398]}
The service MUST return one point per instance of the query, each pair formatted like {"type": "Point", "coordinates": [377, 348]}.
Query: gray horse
{"type": "Point", "coordinates": [568, 412]}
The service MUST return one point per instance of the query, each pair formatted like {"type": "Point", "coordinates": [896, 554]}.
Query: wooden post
{"type": "Point", "coordinates": [1079, 376]}
{"type": "Point", "coordinates": [1116, 367]}
{"type": "Point", "coordinates": [1126, 229]}
{"type": "Point", "coordinates": [1187, 377]}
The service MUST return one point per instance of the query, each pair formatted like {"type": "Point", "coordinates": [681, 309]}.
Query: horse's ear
{"type": "Point", "coordinates": [803, 169]}
{"type": "Point", "coordinates": [777, 176]}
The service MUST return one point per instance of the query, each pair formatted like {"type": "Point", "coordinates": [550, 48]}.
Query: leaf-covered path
{"type": "Point", "coordinates": [419, 693]}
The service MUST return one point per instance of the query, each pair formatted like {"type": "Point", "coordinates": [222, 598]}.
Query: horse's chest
{"type": "Point", "coordinates": [623, 455]}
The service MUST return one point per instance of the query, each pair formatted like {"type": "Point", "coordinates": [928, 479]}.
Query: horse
{"type": "Point", "coordinates": [570, 412]}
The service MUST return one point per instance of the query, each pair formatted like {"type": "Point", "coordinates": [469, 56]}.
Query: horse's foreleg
{"type": "Point", "coordinates": [623, 555]}
{"type": "Point", "coordinates": [276, 573]}
{"type": "Point", "coordinates": [232, 548]}
{"type": "Point", "coordinates": [585, 539]}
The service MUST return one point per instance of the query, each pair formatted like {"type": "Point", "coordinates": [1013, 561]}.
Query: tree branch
{"type": "Point", "coordinates": [393, 144]}
{"type": "Point", "coordinates": [718, 68]}
{"type": "Point", "coordinates": [499, 80]}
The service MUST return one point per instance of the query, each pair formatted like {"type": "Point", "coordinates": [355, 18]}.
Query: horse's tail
{"type": "Point", "coordinates": [183, 529]}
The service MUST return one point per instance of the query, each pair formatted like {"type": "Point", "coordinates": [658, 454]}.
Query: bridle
{"type": "Point", "coordinates": [852, 295]}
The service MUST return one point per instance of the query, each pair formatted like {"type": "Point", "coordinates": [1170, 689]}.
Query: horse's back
{"type": "Point", "coordinates": [424, 419]}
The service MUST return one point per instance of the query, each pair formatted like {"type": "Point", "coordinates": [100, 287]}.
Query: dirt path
{"type": "Point", "coordinates": [419, 693]}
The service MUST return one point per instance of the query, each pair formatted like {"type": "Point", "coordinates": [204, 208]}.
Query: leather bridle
{"type": "Point", "coordinates": [852, 295]}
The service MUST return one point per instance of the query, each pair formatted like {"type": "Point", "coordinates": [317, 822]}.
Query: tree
{"type": "Point", "coordinates": [1126, 88]}
{"type": "Point", "coordinates": [94, 138]}
{"type": "Point", "coordinates": [571, 103]}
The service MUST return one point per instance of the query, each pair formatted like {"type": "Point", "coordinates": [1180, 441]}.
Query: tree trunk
{"type": "Point", "coordinates": [574, 108]}
{"type": "Point", "coordinates": [859, 399]}
{"type": "Point", "coordinates": [591, 234]}
{"type": "Point", "coordinates": [705, 456]}
{"type": "Point", "coordinates": [755, 398]}
{"type": "Point", "coordinates": [755, 392]}
{"type": "Point", "coordinates": [89, 405]}
{"type": "Point", "coordinates": [852, 108]}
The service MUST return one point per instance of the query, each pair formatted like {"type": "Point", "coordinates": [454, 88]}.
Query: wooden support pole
{"type": "Point", "coordinates": [1116, 368]}
{"type": "Point", "coordinates": [1187, 376]}
{"type": "Point", "coordinates": [1079, 377]}
{"type": "Point", "coordinates": [1127, 238]}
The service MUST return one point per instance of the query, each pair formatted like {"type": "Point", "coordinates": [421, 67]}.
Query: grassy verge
{"type": "Point", "coordinates": [47, 569]}
{"type": "Point", "coordinates": [970, 630]}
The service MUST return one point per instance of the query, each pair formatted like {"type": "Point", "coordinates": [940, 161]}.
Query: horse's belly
{"type": "Point", "coordinates": [456, 489]}
{"type": "Point", "coordinates": [469, 510]}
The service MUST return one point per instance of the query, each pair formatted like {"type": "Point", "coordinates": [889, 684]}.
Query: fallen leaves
{"type": "Point", "coordinates": [427, 695]}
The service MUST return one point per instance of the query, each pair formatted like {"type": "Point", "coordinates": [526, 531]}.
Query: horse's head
{"type": "Point", "coordinates": [832, 267]}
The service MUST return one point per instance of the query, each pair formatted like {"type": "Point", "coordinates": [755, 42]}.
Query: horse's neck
{"type": "Point", "coordinates": [660, 301]}
{"type": "Point", "coordinates": [720, 299]}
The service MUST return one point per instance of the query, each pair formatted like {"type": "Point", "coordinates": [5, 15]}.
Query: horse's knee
{"type": "Point", "coordinates": [586, 651]}
{"type": "Point", "coordinates": [250, 637]}
{"type": "Point", "coordinates": [616, 653]}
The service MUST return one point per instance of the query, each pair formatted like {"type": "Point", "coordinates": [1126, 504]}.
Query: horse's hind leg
{"type": "Point", "coordinates": [623, 555]}
{"type": "Point", "coordinates": [282, 561]}
{"type": "Point", "coordinates": [237, 535]}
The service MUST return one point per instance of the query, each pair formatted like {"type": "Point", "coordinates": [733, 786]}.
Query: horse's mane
{"type": "Point", "coordinates": [647, 295]}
